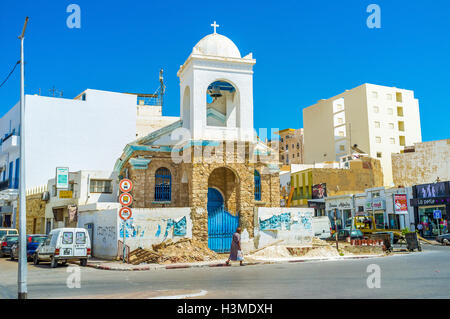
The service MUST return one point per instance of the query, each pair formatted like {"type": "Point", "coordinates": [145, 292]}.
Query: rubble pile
{"type": "Point", "coordinates": [185, 250]}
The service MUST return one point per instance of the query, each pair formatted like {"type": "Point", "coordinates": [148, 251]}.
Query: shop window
{"type": "Point", "coordinates": [163, 185]}
{"type": "Point", "coordinates": [257, 178]}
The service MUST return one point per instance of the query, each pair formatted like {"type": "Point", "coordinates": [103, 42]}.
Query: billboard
{"type": "Point", "coordinates": [400, 203]}
{"type": "Point", "coordinates": [431, 190]}
{"type": "Point", "coordinates": [319, 191]}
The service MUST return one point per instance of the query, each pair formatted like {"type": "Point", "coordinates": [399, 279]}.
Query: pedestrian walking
{"type": "Point", "coordinates": [236, 252]}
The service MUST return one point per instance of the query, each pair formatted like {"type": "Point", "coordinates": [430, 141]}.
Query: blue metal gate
{"type": "Point", "coordinates": [221, 224]}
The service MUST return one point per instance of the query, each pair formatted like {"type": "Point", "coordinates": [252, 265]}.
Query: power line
{"type": "Point", "coordinates": [18, 62]}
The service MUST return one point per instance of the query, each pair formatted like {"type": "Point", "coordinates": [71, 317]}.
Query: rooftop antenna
{"type": "Point", "coordinates": [162, 87]}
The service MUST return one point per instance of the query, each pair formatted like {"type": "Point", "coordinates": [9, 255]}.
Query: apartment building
{"type": "Point", "coordinates": [379, 120]}
{"type": "Point", "coordinates": [291, 146]}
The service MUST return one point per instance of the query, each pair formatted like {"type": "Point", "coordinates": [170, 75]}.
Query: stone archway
{"type": "Point", "coordinates": [222, 208]}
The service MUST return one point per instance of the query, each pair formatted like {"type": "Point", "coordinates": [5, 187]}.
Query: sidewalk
{"type": "Point", "coordinates": [120, 266]}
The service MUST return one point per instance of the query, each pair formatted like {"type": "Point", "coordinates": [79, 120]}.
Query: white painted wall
{"type": "Point", "coordinates": [146, 227]}
{"type": "Point", "coordinates": [300, 232]}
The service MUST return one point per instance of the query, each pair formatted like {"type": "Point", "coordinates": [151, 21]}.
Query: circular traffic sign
{"type": "Point", "coordinates": [125, 199]}
{"type": "Point", "coordinates": [125, 213]}
{"type": "Point", "coordinates": [125, 185]}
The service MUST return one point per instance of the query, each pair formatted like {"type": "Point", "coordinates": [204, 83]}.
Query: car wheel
{"type": "Point", "coordinates": [35, 259]}
{"type": "Point", "coordinates": [53, 262]}
{"type": "Point", "coordinates": [83, 262]}
{"type": "Point", "coordinates": [11, 257]}
{"type": "Point", "coordinates": [445, 242]}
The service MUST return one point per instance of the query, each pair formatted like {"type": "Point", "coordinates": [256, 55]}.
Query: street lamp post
{"type": "Point", "coordinates": [22, 271]}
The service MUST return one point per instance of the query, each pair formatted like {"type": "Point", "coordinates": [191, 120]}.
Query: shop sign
{"type": "Point", "coordinates": [400, 203]}
{"type": "Point", "coordinates": [377, 204]}
{"type": "Point", "coordinates": [431, 190]}
{"type": "Point", "coordinates": [437, 214]}
{"type": "Point", "coordinates": [342, 204]}
{"type": "Point", "coordinates": [430, 201]}
{"type": "Point", "coordinates": [62, 177]}
{"type": "Point", "coordinates": [65, 194]}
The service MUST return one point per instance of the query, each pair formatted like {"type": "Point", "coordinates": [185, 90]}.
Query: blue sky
{"type": "Point", "coordinates": [304, 50]}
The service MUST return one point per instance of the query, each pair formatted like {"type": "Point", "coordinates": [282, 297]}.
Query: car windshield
{"type": "Point", "coordinates": [356, 232]}
{"type": "Point", "coordinates": [12, 239]}
{"type": "Point", "coordinates": [38, 239]}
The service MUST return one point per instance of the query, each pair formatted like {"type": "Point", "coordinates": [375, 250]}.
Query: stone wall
{"type": "Point", "coordinates": [35, 214]}
{"type": "Point", "coordinates": [363, 174]}
{"type": "Point", "coordinates": [424, 164]}
{"type": "Point", "coordinates": [218, 167]}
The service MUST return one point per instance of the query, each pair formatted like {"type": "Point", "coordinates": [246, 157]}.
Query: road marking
{"type": "Point", "coordinates": [198, 294]}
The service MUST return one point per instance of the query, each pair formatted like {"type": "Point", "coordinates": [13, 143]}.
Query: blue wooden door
{"type": "Point", "coordinates": [221, 224]}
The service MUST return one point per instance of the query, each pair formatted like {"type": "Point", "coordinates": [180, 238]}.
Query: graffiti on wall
{"type": "Point", "coordinates": [276, 222]}
{"type": "Point", "coordinates": [131, 230]}
{"type": "Point", "coordinates": [106, 233]}
{"type": "Point", "coordinates": [284, 221]}
{"type": "Point", "coordinates": [179, 228]}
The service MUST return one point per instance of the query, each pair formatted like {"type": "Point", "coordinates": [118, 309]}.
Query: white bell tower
{"type": "Point", "coordinates": [216, 91]}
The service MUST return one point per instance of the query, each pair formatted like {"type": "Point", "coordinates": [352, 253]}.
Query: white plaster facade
{"type": "Point", "coordinates": [381, 120]}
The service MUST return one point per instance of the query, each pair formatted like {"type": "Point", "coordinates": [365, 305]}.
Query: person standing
{"type": "Point", "coordinates": [236, 252]}
{"type": "Point", "coordinates": [420, 229]}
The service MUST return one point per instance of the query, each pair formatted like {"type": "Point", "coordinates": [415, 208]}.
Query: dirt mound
{"type": "Point", "coordinates": [185, 250]}
{"type": "Point", "coordinates": [272, 252]}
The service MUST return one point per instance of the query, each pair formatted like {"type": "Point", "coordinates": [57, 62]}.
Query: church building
{"type": "Point", "coordinates": [211, 160]}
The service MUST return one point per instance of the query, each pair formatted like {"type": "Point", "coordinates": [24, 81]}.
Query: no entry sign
{"type": "Point", "coordinates": [125, 199]}
{"type": "Point", "coordinates": [125, 185]}
{"type": "Point", "coordinates": [125, 213]}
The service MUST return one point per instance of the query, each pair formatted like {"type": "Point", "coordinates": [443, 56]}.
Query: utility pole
{"type": "Point", "coordinates": [22, 271]}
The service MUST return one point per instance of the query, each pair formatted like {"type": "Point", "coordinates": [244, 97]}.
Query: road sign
{"type": "Point", "coordinates": [125, 199]}
{"type": "Point", "coordinates": [125, 185]}
{"type": "Point", "coordinates": [437, 214]}
{"type": "Point", "coordinates": [125, 213]}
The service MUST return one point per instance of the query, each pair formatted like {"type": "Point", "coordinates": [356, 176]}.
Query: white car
{"type": "Point", "coordinates": [64, 244]}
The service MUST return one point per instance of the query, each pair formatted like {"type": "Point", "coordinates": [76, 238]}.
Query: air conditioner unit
{"type": "Point", "coordinates": [45, 196]}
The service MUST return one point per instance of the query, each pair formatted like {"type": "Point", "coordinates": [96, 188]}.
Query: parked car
{"type": "Point", "coordinates": [8, 231]}
{"type": "Point", "coordinates": [33, 242]}
{"type": "Point", "coordinates": [444, 239]}
{"type": "Point", "coordinates": [64, 244]}
{"type": "Point", "coordinates": [5, 244]}
{"type": "Point", "coordinates": [343, 234]}
{"type": "Point", "coordinates": [321, 226]}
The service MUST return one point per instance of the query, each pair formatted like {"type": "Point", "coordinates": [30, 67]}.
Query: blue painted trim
{"type": "Point", "coordinates": [140, 163]}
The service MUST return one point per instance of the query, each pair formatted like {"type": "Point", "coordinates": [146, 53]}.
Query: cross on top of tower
{"type": "Point", "coordinates": [214, 25]}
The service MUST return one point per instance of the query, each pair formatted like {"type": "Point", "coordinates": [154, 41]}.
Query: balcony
{"type": "Point", "coordinates": [9, 184]}
{"type": "Point", "coordinates": [10, 143]}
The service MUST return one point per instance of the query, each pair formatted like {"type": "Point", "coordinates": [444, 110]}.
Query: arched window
{"type": "Point", "coordinates": [257, 185]}
{"type": "Point", "coordinates": [163, 183]}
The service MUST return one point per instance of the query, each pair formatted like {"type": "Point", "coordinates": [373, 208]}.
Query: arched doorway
{"type": "Point", "coordinates": [222, 207]}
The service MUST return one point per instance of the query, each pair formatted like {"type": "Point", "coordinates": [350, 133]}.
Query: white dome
{"type": "Point", "coordinates": [217, 45]}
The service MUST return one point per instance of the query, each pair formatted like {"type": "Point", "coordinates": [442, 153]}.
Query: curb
{"type": "Point", "coordinates": [184, 266]}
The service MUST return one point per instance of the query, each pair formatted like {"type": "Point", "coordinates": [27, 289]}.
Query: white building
{"type": "Point", "coordinates": [88, 131]}
{"type": "Point", "coordinates": [380, 120]}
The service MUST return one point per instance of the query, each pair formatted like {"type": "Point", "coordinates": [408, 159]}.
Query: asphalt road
{"type": "Point", "coordinates": [423, 274]}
